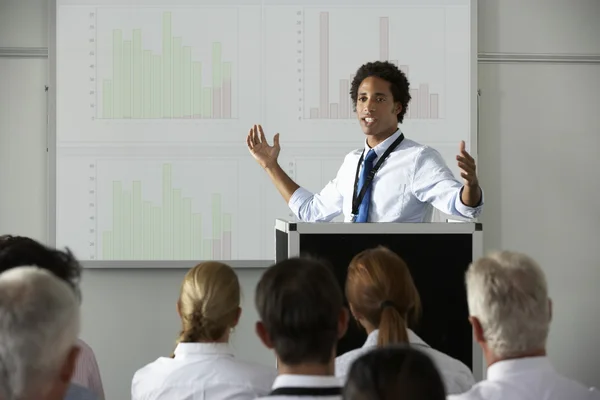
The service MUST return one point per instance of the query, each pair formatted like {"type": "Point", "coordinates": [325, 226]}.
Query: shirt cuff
{"type": "Point", "coordinates": [299, 197]}
{"type": "Point", "coordinates": [466, 211]}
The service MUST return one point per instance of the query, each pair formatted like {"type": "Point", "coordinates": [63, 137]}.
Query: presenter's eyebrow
{"type": "Point", "coordinates": [376, 94]}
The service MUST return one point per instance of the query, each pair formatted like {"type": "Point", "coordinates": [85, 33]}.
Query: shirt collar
{"type": "Point", "coordinates": [195, 349]}
{"type": "Point", "coordinates": [312, 381]}
{"type": "Point", "coordinates": [412, 339]}
{"type": "Point", "coordinates": [517, 366]}
{"type": "Point", "coordinates": [382, 147]}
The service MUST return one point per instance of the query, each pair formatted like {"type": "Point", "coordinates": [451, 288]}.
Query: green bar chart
{"type": "Point", "coordinates": [170, 83]}
{"type": "Point", "coordinates": [167, 230]}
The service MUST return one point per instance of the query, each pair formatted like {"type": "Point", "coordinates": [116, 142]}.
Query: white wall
{"type": "Point", "coordinates": [538, 154]}
{"type": "Point", "coordinates": [539, 136]}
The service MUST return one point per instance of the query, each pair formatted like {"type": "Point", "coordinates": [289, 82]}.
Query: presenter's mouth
{"type": "Point", "coordinates": [369, 121]}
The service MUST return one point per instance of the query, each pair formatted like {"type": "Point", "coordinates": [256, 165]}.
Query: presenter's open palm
{"type": "Point", "coordinates": [259, 148]}
{"type": "Point", "coordinates": [468, 169]}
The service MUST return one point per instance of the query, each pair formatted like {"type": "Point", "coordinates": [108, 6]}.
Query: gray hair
{"type": "Point", "coordinates": [39, 325]}
{"type": "Point", "coordinates": [508, 293]}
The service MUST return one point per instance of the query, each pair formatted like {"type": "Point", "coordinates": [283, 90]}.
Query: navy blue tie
{"type": "Point", "coordinates": [363, 208]}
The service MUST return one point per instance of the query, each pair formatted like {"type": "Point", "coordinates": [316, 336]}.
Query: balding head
{"type": "Point", "coordinates": [508, 296]}
{"type": "Point", "coordinates": [39, 325]}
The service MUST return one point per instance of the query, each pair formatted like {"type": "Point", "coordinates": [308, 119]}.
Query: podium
{"type": "Point", "coordinates": [437, 254]}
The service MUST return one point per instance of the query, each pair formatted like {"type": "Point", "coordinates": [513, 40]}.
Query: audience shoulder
{"type": "Point", "coordinates": [344, 361]}
{"type": "Point", "coordinates": [457, 376]}
{"type": "Point", "coordinates": [255, 373]}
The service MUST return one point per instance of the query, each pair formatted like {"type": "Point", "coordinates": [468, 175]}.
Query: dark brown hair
{"type": "Point", "coordinates": [394, 373]}
{"type": "Point", "coordinates": [299, 303]}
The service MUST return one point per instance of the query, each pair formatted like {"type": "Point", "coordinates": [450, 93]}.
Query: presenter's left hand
{"type": "Point", "coordinates": [468, 170]}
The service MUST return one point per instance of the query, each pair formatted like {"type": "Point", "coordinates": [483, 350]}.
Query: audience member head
{"type": "Point", "coordinates": [394, 373]}
{"type": "Point", "coordinates": [300, 306]}
{"type": "Point", "coordinates": [16, 251]}
{"type": "Point", "coordinates": [508, 305]}
{"type": "Point", "coordinates": [382, 295]}
{"type": "Point", "coordinates": [209, 303]}
{"type": "Point", "coordinates": [39, 324]}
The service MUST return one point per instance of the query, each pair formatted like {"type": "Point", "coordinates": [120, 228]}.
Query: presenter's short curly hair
{"type": "Point", "coordinates": [387, 71]}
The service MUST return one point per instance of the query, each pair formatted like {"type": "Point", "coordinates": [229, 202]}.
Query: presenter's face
{"type": "Point", "coordinates": [375, 107]}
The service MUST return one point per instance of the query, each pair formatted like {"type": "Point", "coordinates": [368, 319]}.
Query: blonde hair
{"type": "Point", "coordinates": [380, 288]}
{"type": "Point", "coordinates": [208, 302]}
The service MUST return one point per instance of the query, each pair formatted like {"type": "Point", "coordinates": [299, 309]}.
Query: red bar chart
{"type": "Point", "coordinates": [425, 103]}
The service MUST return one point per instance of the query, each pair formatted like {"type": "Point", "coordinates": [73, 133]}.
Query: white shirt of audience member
{"type": "Point", "coordinates": [525, 379]}
{"type": "Point", "coordinates": [207, 371]}
{"type": "Point", "coordinates": [457, 377]}
{"type": "Point", "coordinates": [310, 382]}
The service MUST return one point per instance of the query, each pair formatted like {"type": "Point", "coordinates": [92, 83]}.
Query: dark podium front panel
{"type": "Point", "coordinates": [437, 263]}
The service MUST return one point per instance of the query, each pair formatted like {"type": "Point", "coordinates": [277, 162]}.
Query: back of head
{"type": "Point", "coordinates": [507, 292]}
{"type": "Point", "coordinates": [299, 303]}
{"type": "Point", "coordinates": [39, 325]}
{"type": "Point", "coordinates": [18, 250]}
{"type": "Point", "coordinates": [380, 289]}
{"type": "Point", "coordinates": [208, 302]}
{"type": "Point", "coordinates": [394, 373]}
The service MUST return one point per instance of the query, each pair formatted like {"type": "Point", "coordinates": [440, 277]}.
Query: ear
{"type": "Point", "coordinates": [477, 330]}
{"type": "Point", "coordinates": [178, 306]}
{"type": "Point", "coordinates": [397, 107]}
{"type": "Point", "coordinates": [353, 312]}
{"type": "Point", "coordinates": [68, 367]}
{"type": "Point", "coordinates": [549, 309]}
{"type": "Point", "coordinates": [263, 335]}
{"type": "Point", "coordinates": [237, 317]}
{"type": "Point", "coordinates": [343, 322]}
{"type": "Point", "coordinates": [62, 382]}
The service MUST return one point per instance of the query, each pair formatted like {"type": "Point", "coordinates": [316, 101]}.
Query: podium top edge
{"type": "Point", "coordinates": [377, 228]}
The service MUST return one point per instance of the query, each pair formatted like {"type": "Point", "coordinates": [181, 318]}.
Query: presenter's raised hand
{"type": "Point", "coordinates": [259, 148]}
{"type": "Point", "coordinates": [468, 170]}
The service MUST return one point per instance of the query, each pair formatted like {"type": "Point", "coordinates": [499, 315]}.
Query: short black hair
{"type": "Point", "coordinates": [299, 303]}
{"type": "Point", "coordinates": [18, 251]}
{"type": "Point", "coordinates": [387, 71]}
{"type": "Point", "coordinates": [394, 372]}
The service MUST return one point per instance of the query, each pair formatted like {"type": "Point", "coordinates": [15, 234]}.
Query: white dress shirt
{"type": "Point", "coordinates": [206, 371]}
{"type": "Point", "coordinates": [412, 179]}
{"type": "Point", "coordinates": [457, 377]}
{"type": "Point", "coordinates": [305, 381]}
{"type": "Point", "coordinates": [525, 379]}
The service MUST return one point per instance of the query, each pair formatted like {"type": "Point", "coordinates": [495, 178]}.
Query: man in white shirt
{"type": "Point", "coordinates": [392, 179]}
{"type": "Point", "coordinates": [510, 312]}
{"type": "Point", "coordinates": [39, 324]}
{"type": "Point", "coordinates": [301, 312]}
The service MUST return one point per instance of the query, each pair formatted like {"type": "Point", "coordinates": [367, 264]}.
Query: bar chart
{"type": "Point", "coordinates": [327, 93]}
{"type": "Point", "coordinates": [141, 221]}
{"type": "Point", "coordinates": [160, 69]}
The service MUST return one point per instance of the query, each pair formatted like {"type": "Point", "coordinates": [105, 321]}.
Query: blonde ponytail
{"type": "Point", "coordinates": [208, 303]}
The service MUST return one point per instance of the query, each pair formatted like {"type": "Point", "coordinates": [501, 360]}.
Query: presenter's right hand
{"type": "Point", "coordinates": [259, 148]}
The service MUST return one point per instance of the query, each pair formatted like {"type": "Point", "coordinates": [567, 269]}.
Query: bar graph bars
{"type": "Point", "coordinates": [142, 230]}
{"type": "Point", "coordinates": [170, 85]}
{"type": "Point", "coordinates": [423, 105]}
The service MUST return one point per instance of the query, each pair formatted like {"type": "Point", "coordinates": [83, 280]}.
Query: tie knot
{"type": "Point", "coordinates": [371, 156]}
